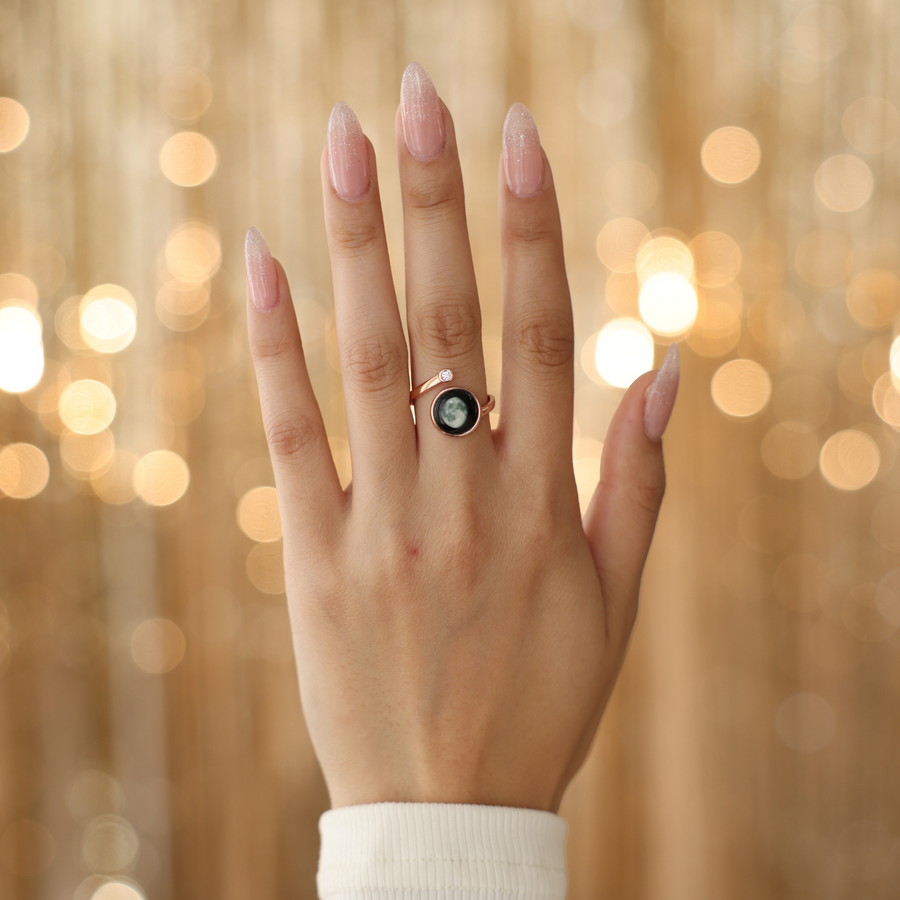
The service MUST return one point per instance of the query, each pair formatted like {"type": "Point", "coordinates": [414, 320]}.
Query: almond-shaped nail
{"type": "Point", "coordinates": [523, 161]}
{"type": "Point", "coordinates": [660, 396]}
{"type": "Point", "coordinates": [260, 271]}
{"type": "Point", "coordinates": [422, 115]}
{"type": "Point", "coordinates": [348, 159]}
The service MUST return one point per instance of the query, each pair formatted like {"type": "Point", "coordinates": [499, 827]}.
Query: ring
{"type": "Point", "coordinates": [455, 411]}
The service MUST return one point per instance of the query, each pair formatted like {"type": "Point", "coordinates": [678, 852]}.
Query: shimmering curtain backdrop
{"type": "Point", "coordinates": [728, 177]}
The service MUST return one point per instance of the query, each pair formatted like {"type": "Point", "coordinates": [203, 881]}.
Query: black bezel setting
{"type": "Point", "coordinates": [472, 405]}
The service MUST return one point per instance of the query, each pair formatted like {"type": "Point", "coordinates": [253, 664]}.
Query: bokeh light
{"type": "Point", "coordinates": [871, 124]}
{"type": "Point", "coordinates": [114, 483]}
{"type": "Point", "coordinates": [663, 254]}
{"type": "Point", "coordinates": [161, 477]}
{"type": "Point", "coordinates": [844, 182]}
{"type": "Point", "coordinates": [108, 318]}
{"type": "Point", "coordinates": [265, 567]}
{"type": "Point", "coordinates": [19, 290]}
{"type": "Point", "coordinates": [109, 844]}
{"type": "Point", "coordinates": [873, 297]}
{"type": "Point", "coordinates": [717, 258]}
{"type": "Point", "coordinates": [24, 471]}
{"type": "Point", "coordinates": [117, 890]}
{"type": "Point", "coordinates": [193, 252]}
{"type": "Point", "coordinates": [185, 93]}
{"type": "Point", "coordinates": [618, 244]}
{"type": "Point", "coordinates": [259, 515]}
{"type": "Point", "coordinates": [717, 327]}
{"type": "Point", "coordinates": [849, 460]}
{"type": "Point", "coordinates": [21, 349]}
{"type": "Point", "coordinates": [624, 351]}
{"type": "Point", "coordinates": [741, 388]}
{"type": "Point", "coordinates": [85, 455]}
{"type": "Point", "coordinates": [87, 406]}
{"type": "Point", "coordinates": [157, 646]}
{"type": "Point", "coordinates": [188, 159]}
{"type": "Point", "coordinates": [14, 124]}
{"type": "Point", "coordinates": [730, 155]}
{"type": "Point", "coordinates": [668, 303]}
{"type": "Point", "coordinates": [820, 32]}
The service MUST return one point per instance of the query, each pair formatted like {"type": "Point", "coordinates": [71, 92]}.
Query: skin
{"type": "Point", "coordinates": [458, 628]}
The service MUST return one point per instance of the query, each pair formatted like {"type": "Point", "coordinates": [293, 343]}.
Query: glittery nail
{"type": "Point", "coordinates": [423, 117]}
{"type": "Point", "coordinates": [347, 155]}
{"type": "Point", "coordinates": [523, 161]}
{"type": "Point", "coordinates": [260, 271]}
{"type": "Point", "coordinates": [660, 396]}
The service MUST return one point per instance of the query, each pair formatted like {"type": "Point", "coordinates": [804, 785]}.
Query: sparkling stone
{"type": "Point", "coordinates": [446, 375]}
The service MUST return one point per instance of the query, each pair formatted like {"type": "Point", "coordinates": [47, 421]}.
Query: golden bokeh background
{"type": "Point", "coordinates": [727, 174]}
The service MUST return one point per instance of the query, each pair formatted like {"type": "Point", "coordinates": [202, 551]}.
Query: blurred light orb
{"type": "Point", "coordinates": [87, 406]}
{"type": "Point", "coordinates": [871, 124]}
{"type": "Point", "coordinates": [19, 289]}
{"type": "Point", "coordinates": [157, 646]}
{"type": "Point", "coordinates": [85, 454]}
{"type": "Point", "coordinates": [91, 793]}
{"type": "Point", "coordinates": [21, 349]}
{"type": "Point", "coordinates": [806, 722]}
{"type": "Point", "coordinates": [873, 297]}
{"type": "Point", "coordinates": [185, 93]}
{"type": "Point", "coordinates": [193, 252]}
{"type": "Point", "coordinates": [630, 188]}
{"type": "Point", "coordinates": [117, 890]}
{"type": "Point", "coordinates": [265, 567]}
{"type": "Point", "coordinates": [605, 97]}
{"type": "Point", "coordinates": [820, 32]}
{"type": "Point", "coordinates": [886, 398]}
{"type": "Point", "coordinates": [668, 303]}
{"type": "Point", "coordinates": [624, 352]}
{"type": "Point", "coordinates": [716, 329]}
{"type": "Point", "coordinates": [663, 254]}
{"type": "Point", "coordinates": [114, 483]}
{"type": "Point", "coordinates": [741, 388]}
{"type": "Point", "coordinates": [188, 159]}
{"type": "Point", "coordinates": [844, 182]}
{"type": "Point", "coordinates": [618, 244]}
{"type": "Point", "coordinates": [14, 124]}
{"type": "Point", "coordinates": [730, 155]}
{"type": "Point", "coordinates": [24, 471]}
{"type": "Point", "coordinates": [259, 515]}
{"type": "Point", "coordinates": [161, 477]}
{"type": "Point", "coordinates": [183, 299]}
{"type": "Point", "coordinates": [717, 258]}
{"type": "Point", "coordinates": [108, 318]}
{"type": "Point", "coordinates": [622, 291]}
{"type": "Point", "coordinates": [109, 844]}
{"type": "Point", "coordinates": [849, 460]}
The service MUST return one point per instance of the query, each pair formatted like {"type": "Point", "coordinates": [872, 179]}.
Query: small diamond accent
{"type": "Point", "coordinates": [446, 375]}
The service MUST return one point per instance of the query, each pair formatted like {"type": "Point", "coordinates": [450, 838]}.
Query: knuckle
{"type": "Point", "coordinates": [373, 363]}
{"type": "Point", "coordinates": [534, 230]}
{"type": "Point", "coordinates": [289, 438]}
{"type": "Point", "coordinates": [351, 237]}
{"type": "Point", "coordinates": [648, 495]}
{"type": "Point", "coordinates": [439, 197]}
{"type": "Point", "coordinates": [547, 341]}
{"type": "Point", "coordinates": [449, 329]}
{"type": "Point", "coordinates": [273, 347]}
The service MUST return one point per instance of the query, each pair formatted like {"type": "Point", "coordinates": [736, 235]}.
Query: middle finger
{"type": "Point", "coordinates": [442, 308]}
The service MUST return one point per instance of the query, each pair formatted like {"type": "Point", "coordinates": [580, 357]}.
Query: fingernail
{"type": "Point", "coordinates": [260, 271]}
{"type": "Point", "coordinates": [347, 156]}
{"type": "Point", "coordinates": [523, 161]}
{"type": "Point", "coordinates": [423, 118]}
{"type": "Point", "coordinates": [660, 396]}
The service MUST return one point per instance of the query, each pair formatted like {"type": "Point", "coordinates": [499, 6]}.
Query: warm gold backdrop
{"type": "Point", "coordinates": [150, 727]}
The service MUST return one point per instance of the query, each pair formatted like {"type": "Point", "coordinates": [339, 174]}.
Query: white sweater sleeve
{"type": "Point", "coordinates": [441, 851]}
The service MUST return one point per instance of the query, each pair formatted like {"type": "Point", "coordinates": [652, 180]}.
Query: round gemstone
{"type": "Point", "coordinates": [446, 375]}
{"type": "Point", "coordinates": [455, 411]}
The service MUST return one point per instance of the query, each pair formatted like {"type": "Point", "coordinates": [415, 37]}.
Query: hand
{"type": "Point", "coordinates": [457, 628]}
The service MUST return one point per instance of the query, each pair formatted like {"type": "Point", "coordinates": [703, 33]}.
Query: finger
{"type": "Point", "coordinates": [443, 315]}
{"type": "Point", "coordinates": [371, 345]}
{"type": "Point", "coordinates": [538, 334]}
{"type": "Point", "coordinates": [309, 490]}
{"type": "Point", "coordinates": [621, 518]}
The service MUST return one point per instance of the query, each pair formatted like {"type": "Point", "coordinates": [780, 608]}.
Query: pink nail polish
{"type": "Point", "coordinates": [347, 155]}
{"type": "Point", "coordinates": [660, 396]}
{"type": "Point", "coordinates": [260, 272]}
{"type": "Point", "coordinates": [523, 161]}
{"type": "Point", "coordinates": [423, 117]}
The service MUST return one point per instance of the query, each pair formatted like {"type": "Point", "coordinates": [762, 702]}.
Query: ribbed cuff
{"type": "Point", "coordinates": [441, 851]}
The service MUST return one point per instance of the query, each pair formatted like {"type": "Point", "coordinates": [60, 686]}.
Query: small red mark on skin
{"type": "Point", "coordinates": [413, 550]}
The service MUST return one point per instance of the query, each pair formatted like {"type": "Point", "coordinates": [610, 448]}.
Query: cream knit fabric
{"type": "Point", "coordinates": [441, 851]}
